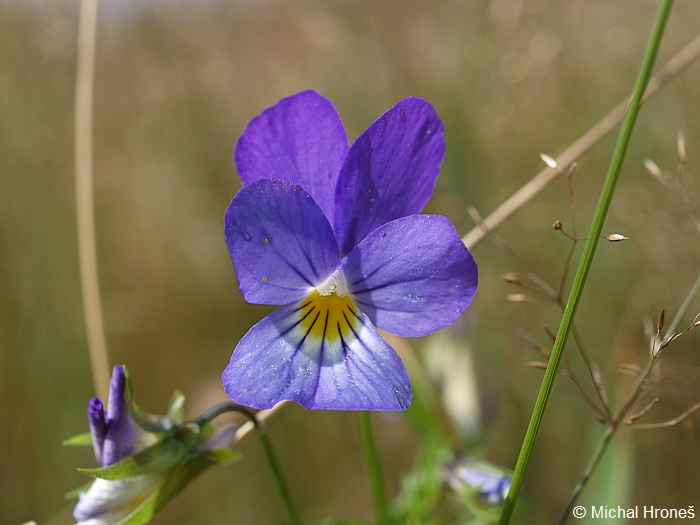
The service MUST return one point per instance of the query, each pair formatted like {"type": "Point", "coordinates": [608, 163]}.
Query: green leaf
{"type": "Point", "coordinates": [81, 440]}
{"type": "Point", "coordinates": [422, 489]}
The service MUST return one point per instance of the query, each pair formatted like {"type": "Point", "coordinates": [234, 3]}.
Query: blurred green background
{"type": "Point", "coordinates": [177, 81]}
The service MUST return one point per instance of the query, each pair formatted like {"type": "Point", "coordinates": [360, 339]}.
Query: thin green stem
{"type": "Point", "coordinates": [595, 460]}
{"type": "Point", "coordinates": [374, 470]}
{"type": "Point", "coordinates": [586, 258]}
{"type": "Point", "coordinates": [224, 407]}
{"type": "Point", "coordinates": [277, 475]}
{"type": "Point", "coordinates": [221, 408]}
{"type": "Point", "coordinates": [683, 309]}
{"type": "Point", "coordinates": [636, 390]}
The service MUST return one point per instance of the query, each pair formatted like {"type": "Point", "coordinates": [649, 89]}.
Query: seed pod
{"type": "Point", "coordinates": [616, 237]}
{"type": "Point", "coordinates": [682, 154]}
{"type": "Point", "coordinates": [549, 161]}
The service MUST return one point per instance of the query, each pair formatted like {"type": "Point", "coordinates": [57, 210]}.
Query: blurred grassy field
{"type": "Point", "coordinates": [177, 81]}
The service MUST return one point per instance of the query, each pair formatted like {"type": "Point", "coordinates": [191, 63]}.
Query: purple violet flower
{"type": "Point", "coordinates": [333, 234]}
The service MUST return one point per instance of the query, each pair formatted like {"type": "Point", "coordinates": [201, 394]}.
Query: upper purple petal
{"type": "Point", "coordinates": [300, 139]}
{"type": "Point", "coordinates": [277, 360]}
{"type": "Point", "coordinates": [412, 276]}
{"type": "Point", "coordinates": [280, 242]}
{"type": "Point", "coordinates": [123, 434]}
{"type": "Point", "coordinates": [390, 170]}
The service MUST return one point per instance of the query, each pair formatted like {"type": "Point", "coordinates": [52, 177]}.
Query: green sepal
{"type": "Point", "coordinates": [222, 456]}
{"type": "Point", "coordinates": [206, 432]}
{"type": "Point", "coordinates": [157, 458]}
{"type": "Point", "coordinates": [176, 481]}
{"type": "Point", "coordinates": [81, 440]}
{"type": "Point", "coordinates": [176, 408]}
{"type": "Point", "coordinates": [152, 422]}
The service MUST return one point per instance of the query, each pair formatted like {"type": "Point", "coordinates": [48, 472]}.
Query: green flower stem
{"type": "Point", "coordinates": [595, 460]}
{"type": "Point", "coordinates": [586, 258]}
{"type": "Point", "coordinates": [277, 474]}
{"type": "Point", "coordinates": [374, 470]}
{"type": "Point", "coordinates": [224, 407]}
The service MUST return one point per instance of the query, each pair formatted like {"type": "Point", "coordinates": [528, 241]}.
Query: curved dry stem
{"type": "Point", "coordinates": [85, 211]}
{"type": "Point", "coordinates": [261, 417]}
{"type": "Point", "coordinates": [674, 66]}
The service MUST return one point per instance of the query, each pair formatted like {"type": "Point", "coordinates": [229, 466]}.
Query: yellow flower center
{"type": "Point", "coordinates": [328, 317]}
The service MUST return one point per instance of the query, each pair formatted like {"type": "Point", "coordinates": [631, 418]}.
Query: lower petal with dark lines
{"type": "Point", "coordinates": [322, 353]}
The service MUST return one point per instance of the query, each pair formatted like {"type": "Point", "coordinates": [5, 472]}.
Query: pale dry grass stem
{"type": "Point", "coordinates": [674, 66]}
{"type": "Point", "coordinates": [85, 212]}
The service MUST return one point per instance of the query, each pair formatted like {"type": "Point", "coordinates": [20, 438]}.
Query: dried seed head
{"type": "Point", "coordinates": [653, 168]}
{"type": "Point", "coordinates": [662, 321]}
{"type": "Point", "coordinates": [513, 278]}
{"type": "Point", "coordinates": [549, 161]}
{"type": "Point", "coordinates": [520, 298]}
{"type": "Point", "coordinates": [557, 225]}
{"type": "Point", "coordinates": [540, 365]}
{"type": "Point", "coordinates": [681, 147]}
{"type": "Point", "coordinates": [616, 237]}
{"type": "Point", "coordinates": [662, 345]}
{"type": "Point", "coordinates": [599, 384]}
{"type": "Point", "coordinates": [552, 336]}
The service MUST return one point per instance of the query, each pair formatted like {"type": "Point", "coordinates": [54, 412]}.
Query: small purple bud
{"type": "Point", "coordinates": [123, 436]}
{"type": "Point", "coordinates": [492, 486]}
{"type": "Point", "coordinates": [98, 426]}
{"type": "Point", "coordinates": [117, 433]}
